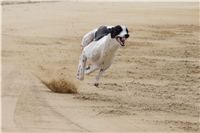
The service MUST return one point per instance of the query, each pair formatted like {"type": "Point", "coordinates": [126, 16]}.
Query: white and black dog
{"type": "Point", "coordinates": [99, 47]}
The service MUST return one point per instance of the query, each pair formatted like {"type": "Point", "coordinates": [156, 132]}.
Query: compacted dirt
{"type": "Point", "coordinates": [153, 84]}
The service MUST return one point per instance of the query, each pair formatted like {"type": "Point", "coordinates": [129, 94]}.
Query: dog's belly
{"type": "Point", "coordinates": [105, 60]}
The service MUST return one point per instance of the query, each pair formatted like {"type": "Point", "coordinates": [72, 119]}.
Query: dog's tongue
{"type": "Point", "coordinates": [123, 40]}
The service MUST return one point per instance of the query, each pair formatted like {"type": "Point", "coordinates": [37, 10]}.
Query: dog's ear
{"type": "Point", "coordinates": [115, 31]}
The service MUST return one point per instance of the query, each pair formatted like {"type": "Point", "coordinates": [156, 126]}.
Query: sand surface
{"type": "Point", "coordinates": [153, 84]}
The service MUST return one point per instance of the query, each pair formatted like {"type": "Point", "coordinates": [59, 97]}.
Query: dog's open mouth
{"type": "Point", "coordinates": [121, 40]}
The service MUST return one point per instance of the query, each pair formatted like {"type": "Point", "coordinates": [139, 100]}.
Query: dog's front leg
{"type": "Point", "coordinates": [81, 67]}
{"type": "Point", "coordinates": [98, 77]}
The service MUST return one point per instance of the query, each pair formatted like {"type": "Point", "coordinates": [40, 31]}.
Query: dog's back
{"type": "Point", "coordinates": [101, 32]}
{"type": "Point", "coordinates": [94, 35]}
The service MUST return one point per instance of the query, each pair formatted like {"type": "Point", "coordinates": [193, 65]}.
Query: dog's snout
{"type": "Point", "coordinates": [127, 35]}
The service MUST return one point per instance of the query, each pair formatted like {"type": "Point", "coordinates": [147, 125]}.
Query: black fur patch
{"type": "Point", "coordinates": [127, 30]}
{"type": "Point", "coordinates": [101, 32]}
{"type": "Point", "coordinates": [115, 31]}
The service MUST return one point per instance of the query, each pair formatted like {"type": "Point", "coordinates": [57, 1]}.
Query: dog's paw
{"type": "Point", "coordinates": [79, 77]}
{"type": "Point", "coordinates": [86, 72]}
{"type": "Point", "coordinates": [96, 84]}
{"type": "Point", "coordinates": [87, 67]}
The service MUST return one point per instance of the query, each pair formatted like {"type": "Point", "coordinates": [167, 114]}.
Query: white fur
{"type": "Point", "coordinates": [100, 53]}
{"type": "Point", "coordinates": [123, 31]}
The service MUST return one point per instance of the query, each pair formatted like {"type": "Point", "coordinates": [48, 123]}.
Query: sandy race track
{"type": "Point", "coordinates": [151, 86]}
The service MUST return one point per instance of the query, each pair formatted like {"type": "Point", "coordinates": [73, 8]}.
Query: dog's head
{"type": "Point", "coordinates": [120, 33]}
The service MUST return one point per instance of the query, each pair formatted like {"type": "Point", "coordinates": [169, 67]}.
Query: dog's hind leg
{"type": "Point", "coordinates": [98, 77]}
{"type": "Point", "coordinates": [91, 69]}
{"type": "Point", "coordinates": [81, 67]}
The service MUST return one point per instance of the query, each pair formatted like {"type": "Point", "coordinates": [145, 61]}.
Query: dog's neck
{"type": "Point", "coordinates": [112, 45]}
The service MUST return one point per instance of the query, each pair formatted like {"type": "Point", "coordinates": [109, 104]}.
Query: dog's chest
{"type": "Point", "coordinates": [108, 54]}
